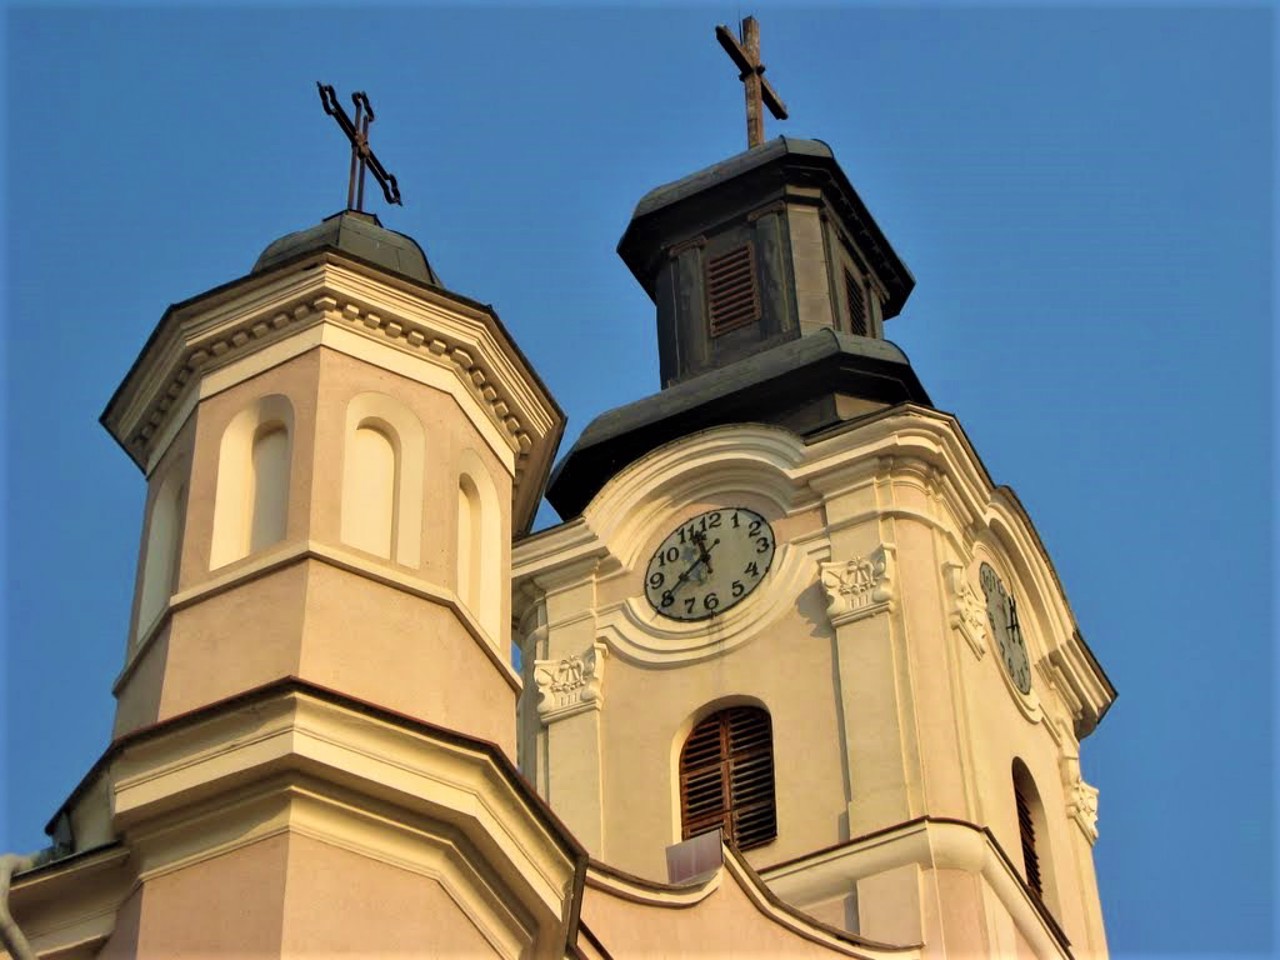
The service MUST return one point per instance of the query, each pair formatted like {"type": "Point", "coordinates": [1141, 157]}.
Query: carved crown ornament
{"type": "Point", "coordinates": [859, 587]}
{"type": "Point", "coordinates": [571, 684]}
{"type": "Point", "coordinates": [967, 613]}
{"type": "Point", "coordinates": [1082, 799]}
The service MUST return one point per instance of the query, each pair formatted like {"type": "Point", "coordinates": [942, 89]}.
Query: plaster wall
{"type": "Point", "coordinates": [341, 903]}
{"type": "Point", "coordinates": [725, 924]}
{"type": "Point", "coordinates": [230, 905]}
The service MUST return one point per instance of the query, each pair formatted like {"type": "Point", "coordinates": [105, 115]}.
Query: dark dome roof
{"type": "Point", "coordinates": [361, 236]}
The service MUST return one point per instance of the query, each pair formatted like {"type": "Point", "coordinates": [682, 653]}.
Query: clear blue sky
{"type": "Point", "coordinates": [1084, 195]}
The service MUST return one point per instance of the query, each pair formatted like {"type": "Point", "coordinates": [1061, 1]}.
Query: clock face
{"type": "Point", "coordinates": [1002, 612]}
{"type": "Point", "coordinates": [709, 564]}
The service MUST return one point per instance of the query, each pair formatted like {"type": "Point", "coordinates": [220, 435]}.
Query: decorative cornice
{"type": "Point", "coordinates": [861, 587]}
{"type": "Point", "coordinates": [248, 317]}
{"type": "Point", "coordinates": [230, 344]}
{"type": "Point", "coordinates": [570, 685]}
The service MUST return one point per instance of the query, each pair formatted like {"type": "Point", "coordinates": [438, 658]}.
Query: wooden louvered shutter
{"type": "Point", "coordinates": [732, 298]}
{"type": "Point", "coordinates": [1027, 833]}
{"type": "Point", "coordinates": [726, 778]}
{"type": "Point", "coordinates": [857, 304]}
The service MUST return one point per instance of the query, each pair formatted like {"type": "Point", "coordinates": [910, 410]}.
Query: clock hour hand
{"type": "Point", "coordinates": [706, 550]}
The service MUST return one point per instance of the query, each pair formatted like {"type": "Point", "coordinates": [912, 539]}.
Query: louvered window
{"type": "Point", "coordinates": [1027, 833]}
{"type": "Point", "coordinates": [732, 298]}
{"type": "Point", "coordinates": [857, 304]}
{"type": "Point", "coordinates": [726, 777]}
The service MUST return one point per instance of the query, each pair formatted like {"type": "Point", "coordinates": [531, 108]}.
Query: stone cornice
{"type": "Point", "coordinates": [67, 908]}
{"type": "Point", "coordinates": [735, 872]}
{"type": "Point", "coordinates": [934, 843]}
{"type": "Point", "coordinates": [210, 334]}
{"type": "Point", "coordinates": [170, 779]}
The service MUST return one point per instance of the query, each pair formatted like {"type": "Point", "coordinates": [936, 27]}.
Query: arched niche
{"type": "Point", "coordinates": [161, 549]}
{"type": "Point", "coordinates": [251, 503]}
{"type": "Point", "coordinates": [383, 468]}
{"type": "Point", "coordinates": [480, 579]}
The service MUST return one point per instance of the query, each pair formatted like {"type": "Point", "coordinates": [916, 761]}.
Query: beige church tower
{"type": "Point", "coordinates": [795, 677]}
{"type": "Point", "coordinates": [790, 602]}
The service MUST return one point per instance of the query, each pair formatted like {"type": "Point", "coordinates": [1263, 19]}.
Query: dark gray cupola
{"type": "Point", "coordinates": [762, 248]}
{"type": "Point", "coordinates": [355, 234]}
{"type": "Point", "coordinates": [772, 284]}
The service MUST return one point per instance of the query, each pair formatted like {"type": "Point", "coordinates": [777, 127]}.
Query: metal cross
{"type": "Point", "coordinates": [746, 56]}
{"type": "Point", "coordinates": [362, 155]}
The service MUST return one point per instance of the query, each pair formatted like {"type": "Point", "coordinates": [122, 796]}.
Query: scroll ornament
{"type": "Point", "coordinates": [861, 587]}
{"type": "Point", "coordinates": [571, 684]}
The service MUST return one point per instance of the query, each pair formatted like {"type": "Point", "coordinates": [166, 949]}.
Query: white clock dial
{"type": "Point", "coordinates": [709, 564]}
{"type": "Point", "coordinates": [1002, 613]}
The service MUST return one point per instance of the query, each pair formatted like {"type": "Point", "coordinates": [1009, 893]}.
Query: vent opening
{"type": "Point", "coordinates": [726, 778]}
{"type": "Point", "coordinates": [732, 298]}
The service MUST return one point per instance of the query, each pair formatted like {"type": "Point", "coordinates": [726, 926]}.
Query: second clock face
{"type": "Point", "coordinates": [1002, 612]}
{"type": "Point", "coordinates": [709, 564]}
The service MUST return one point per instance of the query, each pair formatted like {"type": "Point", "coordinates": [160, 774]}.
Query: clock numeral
{"type": "Point", "coordinates": [656, 580]}
{"type": "Point", "coordinates": [713, 521]}
{"type": "Point", "coordinates": [754, 528]}
{"type": "Point", "coordinates": [738, 589]}
{"type": "Point", "coordinates": [763, 545]}
{"type": "Point", "coordinates": [752, 569]}
{"type": "Point", "coordinates": [711, 601]}
{"type": "Point", "coordinates": [670, 555]}
{"type": "Point", "coordinates": [689, 603]}
{"type": "Point", "coordinates": [734, 519]}
{"type": "Point", "coordinates": [668, 598]}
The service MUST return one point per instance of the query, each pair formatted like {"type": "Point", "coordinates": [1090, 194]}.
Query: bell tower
{"type": "Point", "coordinates": [788, 601]}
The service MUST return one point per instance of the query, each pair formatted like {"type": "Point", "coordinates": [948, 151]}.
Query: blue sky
{"type": "Point", "coordinates": [1085, 196]}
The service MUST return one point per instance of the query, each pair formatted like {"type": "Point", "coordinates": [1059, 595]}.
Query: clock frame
{"type": "Point", "coordinates": [709, 564]}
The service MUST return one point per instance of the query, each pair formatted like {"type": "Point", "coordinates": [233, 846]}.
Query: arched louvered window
{"type": "Point", "coordinates": [726, 777]}
{"type": "Point", "coordinates": [732, 298]}
{"type": "Point", "coordinates": [1027, 801]}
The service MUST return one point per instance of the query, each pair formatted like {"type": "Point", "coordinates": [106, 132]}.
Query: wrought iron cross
{"type": "Point", "coordinates": [362, 155]}
{"type": "Point", "coordinates": [744, 51]}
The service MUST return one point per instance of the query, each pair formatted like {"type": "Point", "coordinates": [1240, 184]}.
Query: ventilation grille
{"type": "Point", "coordinates": [726, 778]}
{"type": "Point", "coordinates": [857, 305]}
{"type": "Point", "coordinates": [1027, 833]}
{"type": "Point", "coordinates": [731, 290]}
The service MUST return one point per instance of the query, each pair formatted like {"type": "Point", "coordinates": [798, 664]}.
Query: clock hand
{"type": "Point", "coordinates": [706, 551]}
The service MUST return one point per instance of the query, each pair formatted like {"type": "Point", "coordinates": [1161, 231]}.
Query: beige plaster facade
{"type": "Point", "coordinates": [318, 722]}
{"type": "Point", "coordinates": [896, 727]}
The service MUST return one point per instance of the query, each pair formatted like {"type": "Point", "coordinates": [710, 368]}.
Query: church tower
{"type": "Point", "coordinates": [788, 601]}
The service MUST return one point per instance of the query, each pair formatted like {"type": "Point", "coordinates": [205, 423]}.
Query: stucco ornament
{"type": "Point", "coordinates": [968, 612]}
{"type": "Point", "coordinates": [571, 684]}
{"type": "Point", "coordinates": [861, 587]}
{"type": "Point", "coordinates": [1082, 799]}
